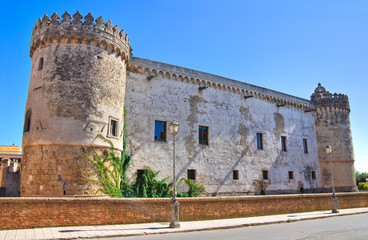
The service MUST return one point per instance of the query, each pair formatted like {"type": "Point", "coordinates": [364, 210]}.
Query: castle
{"type": "Point", "coordinates": [234, 137]}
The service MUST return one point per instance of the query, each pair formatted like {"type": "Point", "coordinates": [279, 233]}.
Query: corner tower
{"type": "Point", "coordinates": [76, 91]}
{"type": "Point", "coordinates": [333, 128]}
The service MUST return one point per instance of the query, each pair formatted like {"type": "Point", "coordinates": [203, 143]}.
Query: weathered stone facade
{"type": "Point", "coordinates": [234, 137]}
{"type": "Point", "coordinates": [333, 128]}
{"type": "Point", "coordinates": [76, 91]}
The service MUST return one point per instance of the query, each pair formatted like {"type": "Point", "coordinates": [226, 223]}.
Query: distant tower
{"type": "Point", "coordinates": [333, 128]}
{"type": "Point", "coordinates": [76, 91]}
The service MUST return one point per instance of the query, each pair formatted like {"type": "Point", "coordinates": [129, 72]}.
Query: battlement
{"type": "Point", "coordinates": [104, 35]}
{"type": "Point", "coordinates": [323, 98]}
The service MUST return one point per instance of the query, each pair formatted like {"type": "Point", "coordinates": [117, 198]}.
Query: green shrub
{"type": "Point", "coordinates": [195, 190]}
{"type": "Point", "coordinates": [108, 168]}
{"type": "Point", "coordinates": [363, 186]}
{"type": "Point", "coordinates": [147, 186]}
{"type": "Point", "coordinates": [361, 177]}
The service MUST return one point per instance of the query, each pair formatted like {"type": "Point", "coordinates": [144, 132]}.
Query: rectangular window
{"type": "Point", "coordinates": [203, 135]}
{"type": "Point", "coordinates": [283, 143]}
{"type": "Point", "coordinates": [259, 141]}
{"type": "Point", "coordinates": [291, 175]}
{"type": "Point", "coordinates": [113, 127]}
{"type": "Point", "coordinates": [265, 174]}
{"type": "Point", "coordinates": [235, 175]}
{"type": "Point", "coordinates": [313, 174]}
{"type": "Point", "coordinates": [160, 131]}
{"type": "Point", "coordinates": [192, 174]}
{"type": "Point", "coordinates": [305, 145]}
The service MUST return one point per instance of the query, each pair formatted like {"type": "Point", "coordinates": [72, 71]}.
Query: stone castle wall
{"type": "Point", "coordinates": [83, 75]}
{"type": "Point", "coordinates": [76, 91]}
{"type": "Point", "coordinates": [161, 92]}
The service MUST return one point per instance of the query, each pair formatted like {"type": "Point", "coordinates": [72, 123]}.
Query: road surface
{"type": "Point", "coordinates": [336, 228]}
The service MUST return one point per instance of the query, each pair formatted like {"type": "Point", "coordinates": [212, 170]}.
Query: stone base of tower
{"type": "Point", "coordinates": [56, 170]}
{"type": "Point", "coordinates": [343, 173]}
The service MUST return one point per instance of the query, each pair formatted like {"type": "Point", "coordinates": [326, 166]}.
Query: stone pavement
{"type": "Point", "coordinates": [159, 228]}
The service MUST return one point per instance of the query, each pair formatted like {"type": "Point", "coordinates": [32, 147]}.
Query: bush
{"type": "Point", "coordinates": [363, 186]}
{"type": "Point", "coordinates": [361, 177]}
{"type": "Point", "coordinates": [195, 190]}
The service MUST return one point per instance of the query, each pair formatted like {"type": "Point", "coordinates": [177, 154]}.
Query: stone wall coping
{"type": "Point", "coordinates": [221, 198]}
{"type": "Point", "coordinates": [204, 77]}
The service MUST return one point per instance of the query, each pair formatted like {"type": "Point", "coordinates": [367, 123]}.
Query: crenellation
{"type": "Point", "coordinates": [66, 18]}
{"type": "Point", "coordinates": [108, 27]}
{"type": "Point", "coordinates": [55, 19]}
{"type": "Point", "coordinates": [100, 23]}
{"type": "Point", "coordinates": [88, 19]}
{"type": "Point", "coordinates": [46, 20]}
{"type": "Point", "coordinates": [77, 18]}
{"type": "Point", "coordinates": [48, 30]}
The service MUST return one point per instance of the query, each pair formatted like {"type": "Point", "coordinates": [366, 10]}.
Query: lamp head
{"type": "Point", "coordinates": [328, 149]}
{"type": "Point", "coordinates": [174, 127]}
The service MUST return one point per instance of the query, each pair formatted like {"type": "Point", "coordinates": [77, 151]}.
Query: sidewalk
{"type": "Point", "coordinates": [157, 228]}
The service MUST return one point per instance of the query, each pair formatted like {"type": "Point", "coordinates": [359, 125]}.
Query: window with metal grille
{"type": "Point", "coordinates": [265, 174]}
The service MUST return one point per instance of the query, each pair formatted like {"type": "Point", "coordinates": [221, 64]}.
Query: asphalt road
{"type": "Point", "coordinates": [336, 228]}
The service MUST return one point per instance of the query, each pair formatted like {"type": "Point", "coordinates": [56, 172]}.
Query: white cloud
{"type": "Point", "coordinates": [361, 163]}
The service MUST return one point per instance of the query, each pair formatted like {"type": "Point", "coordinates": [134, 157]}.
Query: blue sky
{"type": "Point", "coordinates": [288, 46]}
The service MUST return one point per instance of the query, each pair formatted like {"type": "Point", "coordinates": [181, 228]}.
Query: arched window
{"type": "Point", "coordinates": [40, 64]}
{"type": "Point", "coordinates": [27, 121]}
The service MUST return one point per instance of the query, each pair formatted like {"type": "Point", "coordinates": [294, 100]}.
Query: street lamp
{"type": "Point", "coordinates": [174, 128]}
{"type": "Point", "coordinates": [334, 198]}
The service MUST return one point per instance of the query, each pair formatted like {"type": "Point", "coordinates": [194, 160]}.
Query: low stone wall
{"type": "Point", "coordinates": [48, 212]}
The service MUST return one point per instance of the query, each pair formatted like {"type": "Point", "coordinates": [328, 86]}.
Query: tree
{"type": "Point", "coordinates": [361, 177]}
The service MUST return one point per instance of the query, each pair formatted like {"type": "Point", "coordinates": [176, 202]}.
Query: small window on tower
{"type": "Point", "coordinates": [113, 127]}
{"type": "Point", "coordinates": [265, 174]}
{"type": "Point", "coordinates": [27, 121]}
{"type": "Point", "coordinates": [40, 64]}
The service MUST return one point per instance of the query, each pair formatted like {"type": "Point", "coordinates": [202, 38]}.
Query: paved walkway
{"type": "Point", "coordinates": [157, 228]}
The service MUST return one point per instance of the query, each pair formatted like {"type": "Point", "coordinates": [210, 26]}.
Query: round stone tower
{"type": "Point", "coordinates": [76, 91]}
{"type": "Point", "coordinates": [333, 128]}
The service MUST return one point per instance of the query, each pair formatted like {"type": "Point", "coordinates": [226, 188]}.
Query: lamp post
{"type": "Point", "coordinates": [174, 128]}
{"type": "Point", "coordinates": [334, 198]}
